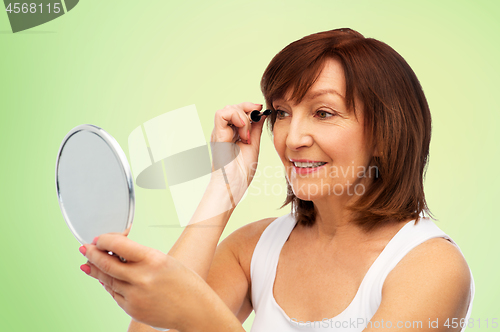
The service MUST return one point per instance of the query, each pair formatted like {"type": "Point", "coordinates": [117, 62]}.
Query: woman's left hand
{"type": "Point", "coordinates": [152, 287]}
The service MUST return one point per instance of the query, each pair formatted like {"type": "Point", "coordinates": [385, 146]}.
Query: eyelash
{"type": "Point", "coordinates": [320, 110]}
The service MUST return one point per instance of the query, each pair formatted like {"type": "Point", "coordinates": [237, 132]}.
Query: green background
{"type": "Point", "coordinates": [117, 64]}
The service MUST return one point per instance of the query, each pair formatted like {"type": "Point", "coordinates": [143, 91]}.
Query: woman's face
{"type": "Point", "coordinates": [321, 129]}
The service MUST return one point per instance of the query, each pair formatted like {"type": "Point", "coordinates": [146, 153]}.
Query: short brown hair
{"type": "Point", "coordinates": [397, 118]}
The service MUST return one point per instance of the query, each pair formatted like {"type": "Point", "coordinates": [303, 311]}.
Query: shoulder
{"type": "Point", "coordinates": [242, 241]}
{"type": "Point", "coordinates": [432, 280]}
{"type": "Point", "coordinates": [437, 259]}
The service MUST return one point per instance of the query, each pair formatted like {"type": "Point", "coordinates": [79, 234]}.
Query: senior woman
{"type": "Point", "coordinates": [358, 250]}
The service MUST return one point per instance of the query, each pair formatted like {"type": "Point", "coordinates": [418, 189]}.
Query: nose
{"type": "Point", "coordinates": [299, 134]}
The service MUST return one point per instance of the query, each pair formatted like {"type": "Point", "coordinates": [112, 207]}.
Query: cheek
{"type": "Point", "coordinates": [279, 143]}
{"type": "Point", "coordinates": [345, 147]}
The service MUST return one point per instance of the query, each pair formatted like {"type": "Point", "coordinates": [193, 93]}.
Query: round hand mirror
{"type": "Point", "coordinates": [94, 184]}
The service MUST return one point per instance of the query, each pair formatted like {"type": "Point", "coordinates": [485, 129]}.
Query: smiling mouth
{"type": "Point", "coordinates": [308, 164]}
{"type": "Point", "coordinates": [305, 168]}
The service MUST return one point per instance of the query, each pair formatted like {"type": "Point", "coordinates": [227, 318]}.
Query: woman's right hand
{"type": "Point", "coordinates": [156, 289]}
{"type": "Point", "coordinates": [235, 144]}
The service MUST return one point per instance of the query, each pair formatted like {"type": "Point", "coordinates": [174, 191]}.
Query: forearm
{"type": "Point", "coordinates": [233, 162]}
{"type": "Point", "coordinates": [197, 306]}
{"type": "Point", "coordinates": [195, 247]}
{"type": "Point", "coordinates": [135, 326]}
{"type": "Point", "coordinates": [215, 317]}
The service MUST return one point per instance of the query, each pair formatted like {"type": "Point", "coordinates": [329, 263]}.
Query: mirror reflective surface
{"type": "Point", "coordinates": [94, 184]}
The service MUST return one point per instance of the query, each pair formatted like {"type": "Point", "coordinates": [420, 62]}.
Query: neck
{"type": "Point", "coordinates": [335, 223]}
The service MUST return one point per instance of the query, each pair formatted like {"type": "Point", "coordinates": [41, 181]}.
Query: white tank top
{"type": "Point", "coordinates": [270, 317]}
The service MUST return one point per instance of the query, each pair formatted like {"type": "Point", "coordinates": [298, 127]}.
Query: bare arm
{"type": "Point", "coordinates": [430, 284]}
{"type": "Point", "coordinates": [197, 244]}
{"type": "Point", "coordinates": [157, 289]}
{"type": "Point", "coordinates": [229, 274]}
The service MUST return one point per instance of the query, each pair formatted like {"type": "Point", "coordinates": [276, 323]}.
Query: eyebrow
{"type": "Point", "coordinates": [324, 92]}
{"type": "Point", "coordinates": [316, 94]}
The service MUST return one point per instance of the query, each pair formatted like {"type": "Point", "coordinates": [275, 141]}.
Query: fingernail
{"type": "Point", "coordinates": [248, 132]}
{"type": "Point", "coordinates": [242, 122]}
{"type": "Point", "coordinates": [95, 240]}
{"type": "Point", "coordinates": [83, 250]}
{"type": "Point", "coordinates": [85, 268]}
{"type": "Point", "coordinates": [101, 283]}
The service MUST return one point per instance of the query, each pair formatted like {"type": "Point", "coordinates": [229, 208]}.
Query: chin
{"type": "Point", "coordinates": [310, 191]}
{"type": "Point", "coordinates": [316, 190]}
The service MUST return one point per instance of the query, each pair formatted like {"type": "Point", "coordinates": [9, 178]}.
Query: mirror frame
{"type": "Point", "coordinates": [120, 156]}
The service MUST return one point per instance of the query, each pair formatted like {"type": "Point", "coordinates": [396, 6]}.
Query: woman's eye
{"type": "Point", "coordinates": [280, 114]}
{"type": "Point", "coordinates": [324, 114]}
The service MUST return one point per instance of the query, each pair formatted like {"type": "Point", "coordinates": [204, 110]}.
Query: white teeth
{"type": "Point", "coordinates": [308, 165]}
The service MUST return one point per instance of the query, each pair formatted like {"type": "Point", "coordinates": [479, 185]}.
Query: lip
{"type": "Point", "coordinates": [306, 161]}
{"type": "Point", "coordinates": [304, 170]}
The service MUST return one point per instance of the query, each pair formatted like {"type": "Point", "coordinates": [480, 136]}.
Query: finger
{"type": "Point", "coordinates": [247, 108]}
{"type": "Point", "coordinates": [127, 231]}
{"type": "Point", "coordinates": [120, 299]}
{"type": "Point", "coordinates": [122, 246]}
{"type": "Point", "coordinates": [229, 125]}
{"type": "Point", "coordinates": [243, 132]}
{"type": "Point", "coordinates": [96, 273]}
{"type": "Point", "coordinates": [233, 118]}
{"type": "Point", "coordinates": [109, 265]}
{"type": "Point", "coordinates": [117, 285]}
{"type": "Point", "coordinates": [256, 131]}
